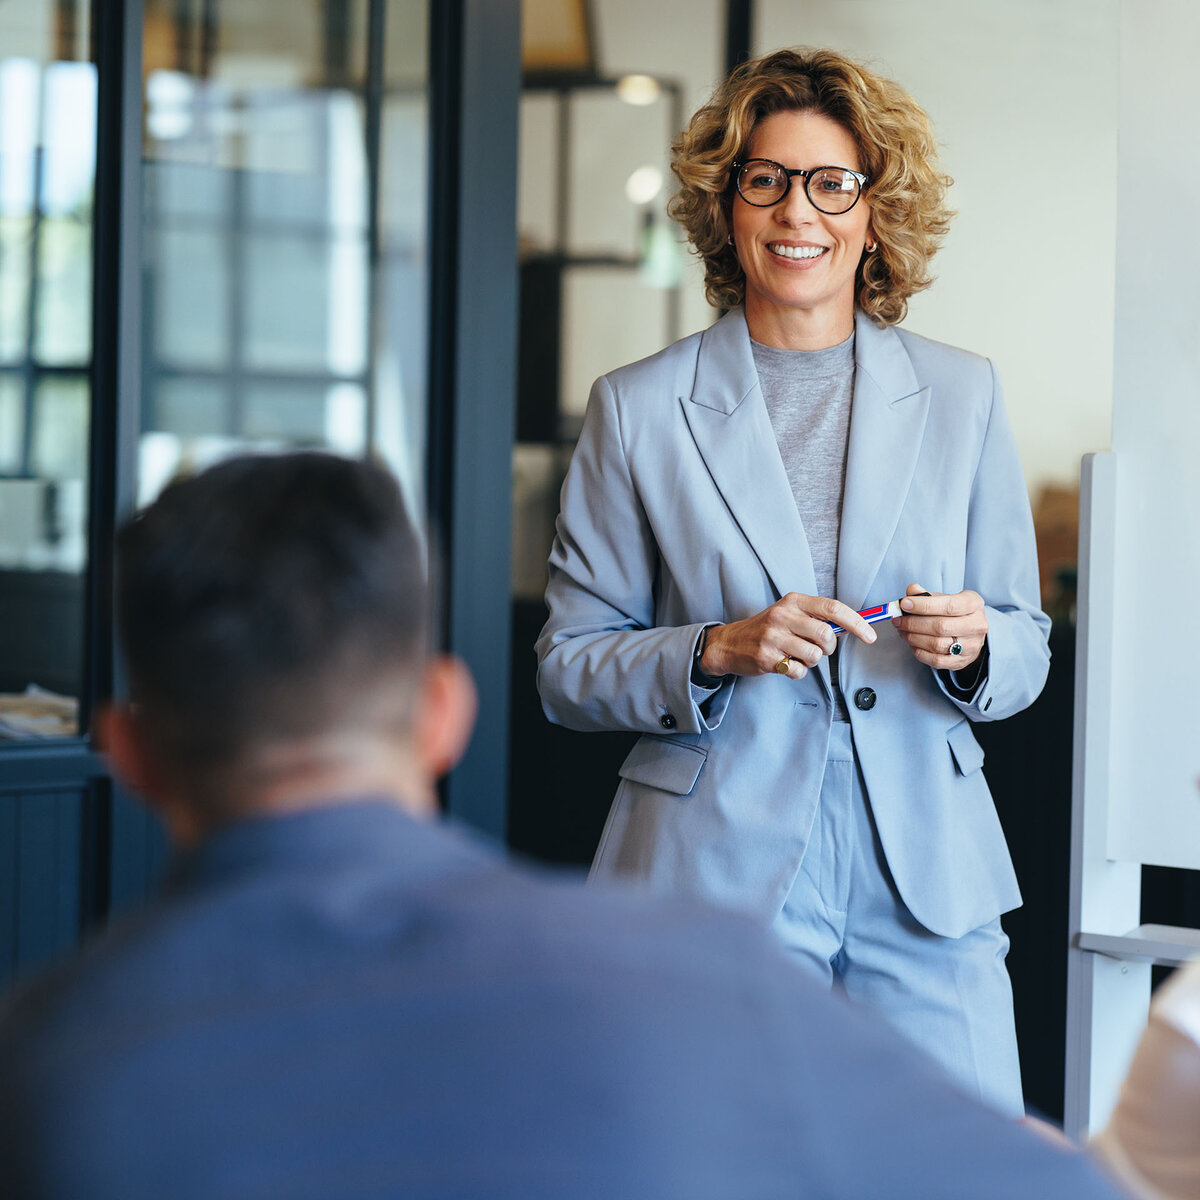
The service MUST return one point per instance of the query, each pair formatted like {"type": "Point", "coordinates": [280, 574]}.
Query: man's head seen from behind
{"type": "Point", "coordinates": [273, 616]}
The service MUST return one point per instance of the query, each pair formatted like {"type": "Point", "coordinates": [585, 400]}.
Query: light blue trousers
{"type": "Point", "coordinates": [844, 918]}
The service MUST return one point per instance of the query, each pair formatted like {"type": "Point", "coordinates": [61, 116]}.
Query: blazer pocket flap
{"type": "Point", "coordinates": [968, 754]}
{"type": "Point", "coordinates": [669, 766]}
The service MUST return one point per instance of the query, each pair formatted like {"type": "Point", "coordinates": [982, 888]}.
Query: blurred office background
{"type": "Point", "coordinates": [419, 230]}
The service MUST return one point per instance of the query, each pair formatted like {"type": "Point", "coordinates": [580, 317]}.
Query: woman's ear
{"type": "Point", "coordinates": [445, 715]}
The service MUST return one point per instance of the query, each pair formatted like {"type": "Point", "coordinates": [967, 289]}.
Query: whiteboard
{"type": "Point", "coordinates": [1154, 803]}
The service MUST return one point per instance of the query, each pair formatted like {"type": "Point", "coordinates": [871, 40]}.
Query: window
{"type": "Point", "coordinates": [47, 176]}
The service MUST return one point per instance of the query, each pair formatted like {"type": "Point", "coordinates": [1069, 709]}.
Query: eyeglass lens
{"type": "Point", "coordinates": [831, 189]}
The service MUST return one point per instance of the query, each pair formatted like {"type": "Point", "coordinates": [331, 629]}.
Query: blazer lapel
{"type": "Point", "coordinates": [887, 425]}
{"type": "Point", "coordinates": [728, 419]}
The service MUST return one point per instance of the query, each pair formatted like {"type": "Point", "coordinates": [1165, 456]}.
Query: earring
{"type": "Point", "coordinates": [871, 248]}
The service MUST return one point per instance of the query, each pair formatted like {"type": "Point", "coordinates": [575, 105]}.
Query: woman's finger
{"type": "Point", "coordinates": [954, 604]}
{"type": "Point", "coordinates": [793, 668]}
{"type": "Point", "coordinates": [957, 615]}
{"type": "Point", "coordinates": [803, 618]}
{"type": "Point", "coordinates": [943, 662]}
{"type": "Point", "coordinates": [943, 627]}
{"type": "Point", "coordinates": [942, 645]}
{"type": "Point", "coordinates": [807, 652]}
{"type": "Point", "coordinates": [939, 652]}
{"type": "Point", "coordinates": [817, 616]}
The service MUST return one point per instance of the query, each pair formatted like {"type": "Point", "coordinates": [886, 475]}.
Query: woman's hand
{"type": "Point", "coordinates": [794, 632]}
{"type": "Point", "coordinates": [934, 623]}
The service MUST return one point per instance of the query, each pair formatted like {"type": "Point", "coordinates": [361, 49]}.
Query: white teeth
{"type": "Point", "coordinates": [795, 251]}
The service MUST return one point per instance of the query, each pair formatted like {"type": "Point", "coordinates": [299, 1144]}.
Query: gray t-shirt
{"type": "Point", "coordinates": [808, 395]}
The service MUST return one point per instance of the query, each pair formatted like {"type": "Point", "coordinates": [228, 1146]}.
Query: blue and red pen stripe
{"type": "Point", "coordinates": [881, 612]}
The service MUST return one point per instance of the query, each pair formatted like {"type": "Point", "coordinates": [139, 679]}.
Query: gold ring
{"type": "Point", "coordinates": [783, 666]}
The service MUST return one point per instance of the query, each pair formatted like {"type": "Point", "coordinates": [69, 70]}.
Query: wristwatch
{"type": "Point", "coordinates": [699, 678]}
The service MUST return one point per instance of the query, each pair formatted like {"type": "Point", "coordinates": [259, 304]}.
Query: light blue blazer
{"type": "Point", "coordinates": [677, 512]}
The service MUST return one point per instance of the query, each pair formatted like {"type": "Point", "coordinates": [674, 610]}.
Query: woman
{"type": "Point", "coordinates": [736, 493]}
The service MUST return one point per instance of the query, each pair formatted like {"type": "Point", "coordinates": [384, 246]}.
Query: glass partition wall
{"type": "Point", "coordinates": [284, 186]}
{"type": "Point", "coordinates": [283, 249]}
{"type": "Point", "coordinates": [47, 176]}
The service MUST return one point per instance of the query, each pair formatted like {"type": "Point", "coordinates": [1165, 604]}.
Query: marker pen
{"type": "Point", "coordinates": [881, 612]}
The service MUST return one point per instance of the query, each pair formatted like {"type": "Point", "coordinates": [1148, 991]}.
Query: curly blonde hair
{"type": "Point", "coordinates": [906, 188]}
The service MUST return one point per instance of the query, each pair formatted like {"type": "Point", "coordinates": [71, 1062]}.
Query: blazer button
{"type": "Point", "coordinates": [667, 721]}
{"type": "Point", "coordinates": [864, 699]}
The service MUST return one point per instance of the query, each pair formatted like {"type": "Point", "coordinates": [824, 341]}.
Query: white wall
{"type": "Point", "coordinates": [1027, 273]}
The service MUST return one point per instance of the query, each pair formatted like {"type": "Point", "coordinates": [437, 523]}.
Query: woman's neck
{"type": "Point", "coordinates": [797, 329]}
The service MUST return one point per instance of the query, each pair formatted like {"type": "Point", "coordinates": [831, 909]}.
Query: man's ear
{"type": "Point", "coordinates": [445, 715]}
{"type": "Point", "coordinates": [120, 736]}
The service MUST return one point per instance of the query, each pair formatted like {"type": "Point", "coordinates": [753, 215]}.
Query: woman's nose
{"type": "Point", "coordinates": [795, 208]}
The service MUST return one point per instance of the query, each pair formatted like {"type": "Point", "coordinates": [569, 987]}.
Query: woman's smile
{"type": "Point", "coordinates": [801, 253]}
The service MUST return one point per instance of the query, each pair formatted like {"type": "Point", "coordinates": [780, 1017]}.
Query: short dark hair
{"type": "Point", "coordinates": [257, 600]}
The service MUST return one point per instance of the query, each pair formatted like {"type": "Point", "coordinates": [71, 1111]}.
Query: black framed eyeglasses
{"type": "Point", "coordinates": [832, 190]}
